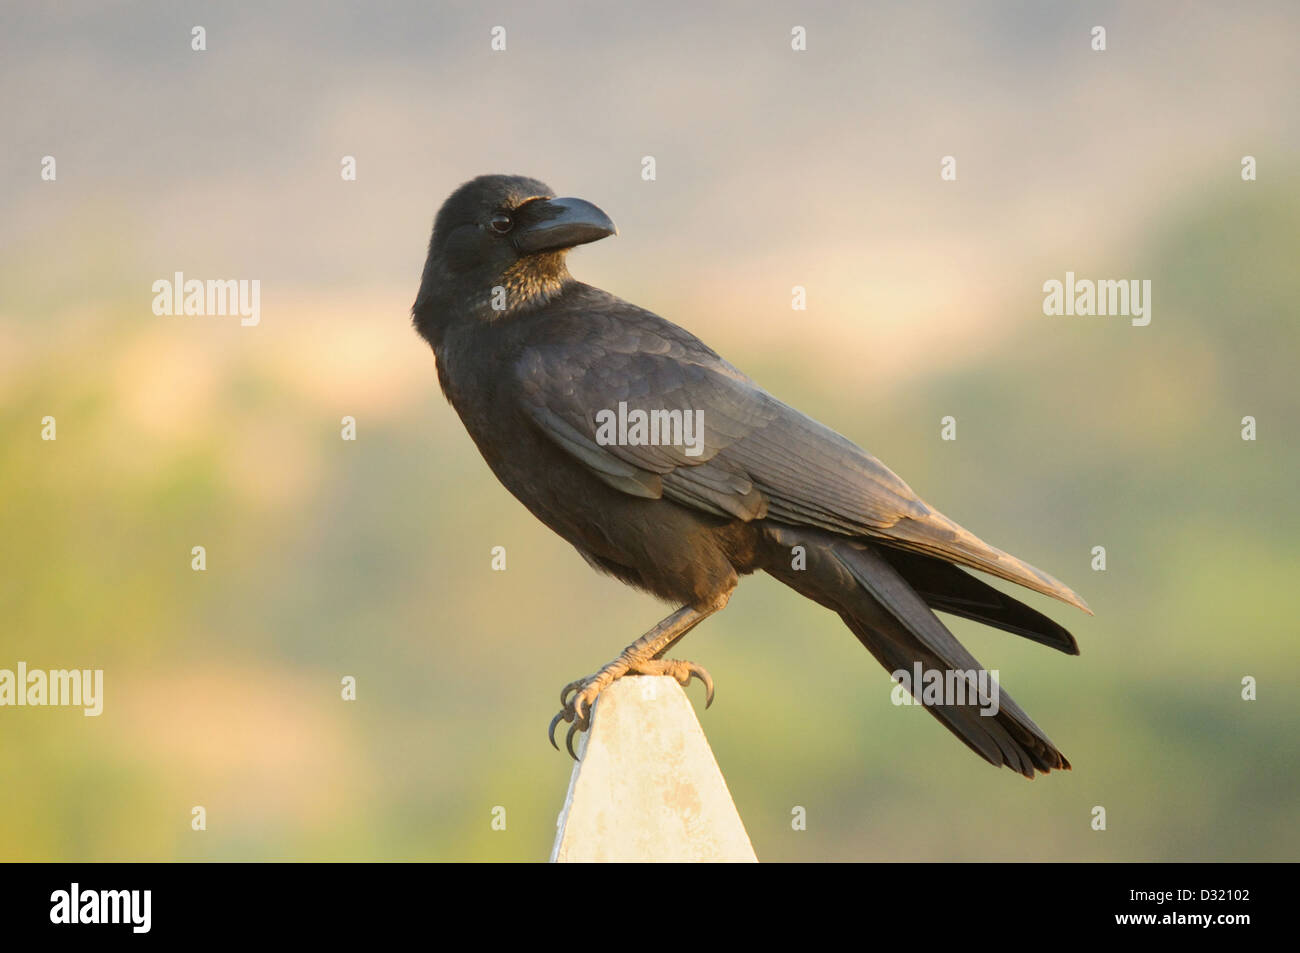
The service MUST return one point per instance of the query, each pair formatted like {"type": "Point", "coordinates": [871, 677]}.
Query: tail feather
{"type": "Point", "coordinates": [895, 624]}
{"type": "Point", "coordinates": [945, 587]}
{"type": "Point", "coordinates": [1010, 738]}
{"type": "Point", "coordinates": [937, 536]}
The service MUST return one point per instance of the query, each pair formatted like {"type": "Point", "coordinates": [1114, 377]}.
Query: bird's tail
{"type": "Point", "coordinates": [949, 589]}
{"type": "Point", "coordinates": [891, 618]}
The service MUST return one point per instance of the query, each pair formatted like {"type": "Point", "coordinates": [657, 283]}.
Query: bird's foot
{"type": "Point", "coordinates": [579, 697]}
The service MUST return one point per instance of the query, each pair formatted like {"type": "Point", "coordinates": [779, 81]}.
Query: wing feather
{"type": "Point", "coordinates": [757, 456]}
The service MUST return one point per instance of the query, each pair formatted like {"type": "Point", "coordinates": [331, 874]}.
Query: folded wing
{"type": "Point", "coordinates": [757, 456]}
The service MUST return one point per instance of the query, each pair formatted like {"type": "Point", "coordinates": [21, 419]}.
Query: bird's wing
{"type": "Point", "coordinates": [757, 456]}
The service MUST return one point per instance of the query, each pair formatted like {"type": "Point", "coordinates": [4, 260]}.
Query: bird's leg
{"type": "Point", "coordinates": [642, 657]}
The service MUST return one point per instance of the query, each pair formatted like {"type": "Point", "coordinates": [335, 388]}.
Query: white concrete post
{"type": "Point", "coordinates": [647, 787]}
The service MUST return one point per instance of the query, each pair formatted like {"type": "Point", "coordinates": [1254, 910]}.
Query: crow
{"type": "Point", "coordinates": [669, 469]}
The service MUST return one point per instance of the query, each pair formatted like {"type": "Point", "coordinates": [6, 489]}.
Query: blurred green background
{"type": "Point", "coordinates": [371, 558]}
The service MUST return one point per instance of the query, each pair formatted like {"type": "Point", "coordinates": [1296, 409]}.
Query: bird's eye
{"type": "Point", "coordinates": [501, 223]}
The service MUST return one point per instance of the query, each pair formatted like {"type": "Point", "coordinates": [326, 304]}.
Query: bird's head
{"type": "Point", "coordinates": [498, 247]}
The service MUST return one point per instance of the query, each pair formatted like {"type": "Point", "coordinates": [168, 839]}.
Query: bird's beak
{"type": "Point", "coordinates": [555, 224]}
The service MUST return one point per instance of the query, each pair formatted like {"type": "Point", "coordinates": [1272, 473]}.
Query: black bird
{"type": "Point", "coordinates": [537, 365]}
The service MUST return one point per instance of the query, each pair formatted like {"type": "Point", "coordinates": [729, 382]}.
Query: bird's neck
{"type": "Point", "coordinates": [523, 287]}
{"type": "Point", "coordinates": [530, 284]}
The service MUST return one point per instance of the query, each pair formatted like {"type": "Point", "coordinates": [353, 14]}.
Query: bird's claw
{"type": "Point", "coordinates": [574, 712]}
{"type": "Point", "coordinates": [550, 732]}
{"type": "Point", "coordinates": [573, 686]}
{"type": "Point", "coordinates": [578, 697]}
{"type": "Point", "coordinates": [568, 739]}
{"type": "Point", "coordinates": [702, 673]}
{"type": "Point", "coordinates": [681, 670]}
